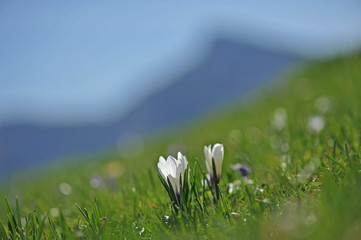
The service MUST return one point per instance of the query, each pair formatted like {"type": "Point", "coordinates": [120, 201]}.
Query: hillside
{"type": "Point", "coordinates": [300, 140]}
{"type": "Point", "coordinates": [229, 70]}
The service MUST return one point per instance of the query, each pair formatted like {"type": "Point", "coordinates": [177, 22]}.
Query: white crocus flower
{"type": "Point", "coordinates": [173, 169]}
{"type": "Point", "coordinates": [217, 154]}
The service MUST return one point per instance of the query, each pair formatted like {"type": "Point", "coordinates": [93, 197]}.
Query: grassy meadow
{"type": "Point", "coordinates": [300, 139]}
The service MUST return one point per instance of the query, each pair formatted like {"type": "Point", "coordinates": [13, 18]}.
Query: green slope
{"type": "Point", "coordinates": [305, 183]}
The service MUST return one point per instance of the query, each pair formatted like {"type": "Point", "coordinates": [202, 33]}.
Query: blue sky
{"type": "Point", "coordinates": [76, 62]}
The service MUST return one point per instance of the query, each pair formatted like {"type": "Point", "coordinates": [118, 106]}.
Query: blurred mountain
{"type": "Point", "coordinates": [230, 70]}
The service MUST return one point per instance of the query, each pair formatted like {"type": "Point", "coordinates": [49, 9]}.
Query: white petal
{"type": "Point", "coordinates": [175, 183]}
{"type": "Point", "coordinates": [162, 163]}
{"type": "Point", "coordinates": [162, 168]}
{"type": "Point", "coordinates": [172, 166]}
{"type": "Point", "coordinates": [218, 153]}
{"type": "Point", "coordinates": [184, 165]}
{"type": "Point", "coordinates": [179, 156]}
{"type": "Point", "coordinates": [183, 160]}
{"type": "Point", "coordinates": [208, 156]}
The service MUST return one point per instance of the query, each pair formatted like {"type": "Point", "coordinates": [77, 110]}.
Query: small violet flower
{"type": "Point", "coordinates": [242, 169]}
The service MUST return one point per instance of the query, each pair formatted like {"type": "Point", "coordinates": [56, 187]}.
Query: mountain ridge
{"type": "Point", "coordinates": [228, 71]}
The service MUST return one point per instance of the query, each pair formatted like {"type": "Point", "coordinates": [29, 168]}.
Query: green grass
{"type": "Point", "coordinates": [306, 184]}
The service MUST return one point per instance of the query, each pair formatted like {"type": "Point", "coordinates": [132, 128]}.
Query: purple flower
{"type": "Point", "coordinates": [242, 169]}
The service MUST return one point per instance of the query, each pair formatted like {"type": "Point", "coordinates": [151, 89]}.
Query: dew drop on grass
{"type": "Point", "coordinates": [54, 212]}
{"type": "Point", "coordinates": [283, 165]}
{"type": "Point", "coordinates": [259, 190]}
{"type": "Point", "coordinates": [65, 188]}
{"type": "Point", "coordinates": [279, 119]}
{"type": "Point", "coordinates": [234, 186]}
{"type": "Point", "coordinates": [249, 182]}
{"type": "Point", "coordinates": [285, 147]}
{"type": "Point", "coordinates": [331, 142]}
{"type": "Point", "coordinates": [316, 123]}
{"type": "Point", "coordinates": [96, 181]}
{"type": "Point", "coordinates": [286, 158]}
{"type": "Point", "coordinates": [114, 170]}
{"type": "Point", "coordinates": [230, 187]}
{"type": "Point", "coordinates": [322, 104]}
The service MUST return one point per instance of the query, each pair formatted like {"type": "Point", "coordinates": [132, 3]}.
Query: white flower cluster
{"type": "Point", "coordinates": [173, 169]}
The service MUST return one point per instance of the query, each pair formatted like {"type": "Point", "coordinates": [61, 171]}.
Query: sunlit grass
{"type": "Point", "coordinates": [301, 142]}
